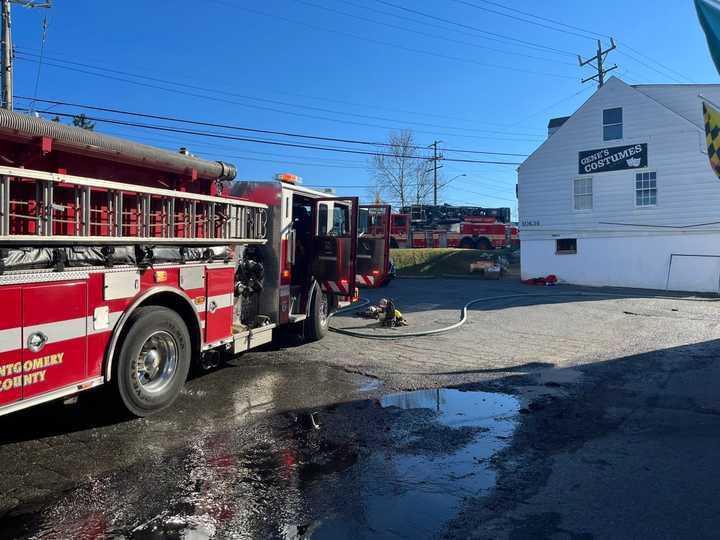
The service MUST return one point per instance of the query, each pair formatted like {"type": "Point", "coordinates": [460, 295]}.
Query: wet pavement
{"type": "Point", "coordinates": [397, 467]}
{"type": "Point", "coordinates": [542, 418]}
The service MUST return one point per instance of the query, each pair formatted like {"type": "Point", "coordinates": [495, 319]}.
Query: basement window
{"type": "Point", "coordinates": [612, 124]}
{"type": "Point", "coordinates": [566, 246]}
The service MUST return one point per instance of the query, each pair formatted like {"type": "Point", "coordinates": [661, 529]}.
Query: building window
{"type": "Point", "coordinates": [645, 189]}
{"type": "Point", "coordinates": [583, 194]}
{"type": "Point", "coordinates": [612, 124]}
{"type": "Point", "coordinates": [566, 246]}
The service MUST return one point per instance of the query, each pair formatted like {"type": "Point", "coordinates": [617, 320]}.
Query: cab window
{"type": "Point", "coordinates": [322, 219]}
{"type": "Point", "coordinates": [364, 223]}
{"type": "Point", "coordinates": [341, 221]}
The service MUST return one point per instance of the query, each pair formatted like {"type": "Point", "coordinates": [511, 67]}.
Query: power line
{"type": "Point", "coordinates": [520, 19]}
{"type": "Point", "coordinates": [585, 34]}
{"type": "Point", "coordinates": [266, 141]}
{"type": "Point", "coordinates": [331, 99]}
{"type": "Point", "coordinates": [222, 152]}
{"type": "Point", "coordinates": [648, 66]}
{"type": "Point", "coordinates": [394, 45]}
{"type": "Point", "coordinates": [435, 36]}
{"type": "Point", "coordinates": [263, 100]}
{"type": "Point", "coordinates": [7, 47]}
{"type": "Point", "coordinates": [251, 130]}
{"type": "Point", "coordinates": [462, 25]}
{"type": "Point", "coordinates": [21, 56]}
{"type": "Point", "coordinates": [475, 34]}
{"type": "Point", "coordinates": [410, 185]}
{"type": "Point", "coordinates": [40, 61]}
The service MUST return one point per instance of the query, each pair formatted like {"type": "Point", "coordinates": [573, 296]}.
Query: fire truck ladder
{"type": "Point", "coordinates": [38, 207]}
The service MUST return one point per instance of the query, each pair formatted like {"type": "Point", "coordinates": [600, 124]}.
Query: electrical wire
{"type": "Point", "coordinates": [266, 141]}
{"type": "Point", "coordinates": [394, 45]}
{"type": "Point", "coordinates": [585, 33]}
{"type": "Point", "coordinates": [434, 36]}
{"type": "Point", "coordinates": [21, 57]}
{"type": "Point", "coordinates": [333, 99]}
{"type": "Point", "coordinates": [489, 10]}
{"type": "Point", "coordinates": [253, 130]}
{"type": "Point", "coordinates": [40, 60]}
{"type": "Point", "coordinates": [253, 98]}
{"type": "Point", "coordinates": [467, 26]}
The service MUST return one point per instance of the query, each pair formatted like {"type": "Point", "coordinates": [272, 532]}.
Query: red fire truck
{"type": "Point", "coordinates": [468, 227]}
{"type": "Point", "coordinates": [122, 264]}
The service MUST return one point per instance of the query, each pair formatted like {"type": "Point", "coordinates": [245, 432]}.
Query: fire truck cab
{"type": "Point", "coordinates": [123, 264]}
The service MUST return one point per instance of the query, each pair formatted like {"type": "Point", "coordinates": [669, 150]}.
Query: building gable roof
{"type": "Point", "coordinates": [614, 84]}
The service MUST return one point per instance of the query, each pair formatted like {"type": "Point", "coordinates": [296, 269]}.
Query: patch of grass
{"type": "Point", "coordinates": [437, 261]}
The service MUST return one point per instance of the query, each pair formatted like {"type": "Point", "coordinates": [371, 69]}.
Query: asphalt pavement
{"type": "Point", "coordinates": [555, 412]}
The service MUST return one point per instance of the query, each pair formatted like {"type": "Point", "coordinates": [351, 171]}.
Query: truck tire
{"type": "Point", "coordinates": [484, 244]}
{"type": "Point", "coordinates": [466, 243]}
{"type": "Point", "coordinates": [153, 362]}
{"type": "Point", "coordinates": [316, 325]}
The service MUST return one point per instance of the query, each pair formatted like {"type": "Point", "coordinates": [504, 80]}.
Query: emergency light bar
{"type": "Point", "coordinates": [288, 178]}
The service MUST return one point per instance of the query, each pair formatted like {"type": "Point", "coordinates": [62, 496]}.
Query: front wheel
{"type": "Point", "coordinates": [154, 360]}
{"type": "Point", "coordinates": [316, 325]}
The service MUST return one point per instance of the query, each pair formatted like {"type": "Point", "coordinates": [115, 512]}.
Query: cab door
{"type": "Point", "coordinates": [373, 252]}
{"type": "Point", "coordinates": [335, 244]}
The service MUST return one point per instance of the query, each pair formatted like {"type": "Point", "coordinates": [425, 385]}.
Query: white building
{"type": "Point", "coordinates": [622, 193]}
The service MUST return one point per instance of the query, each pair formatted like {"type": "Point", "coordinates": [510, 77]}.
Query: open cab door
{"type": "Point", "coordinates": [335, 244]}
{"type": "Point", "coordinates": [373, 252]}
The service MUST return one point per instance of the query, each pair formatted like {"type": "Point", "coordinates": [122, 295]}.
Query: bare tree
{"type": "Point", "coordinates": [402, 171]}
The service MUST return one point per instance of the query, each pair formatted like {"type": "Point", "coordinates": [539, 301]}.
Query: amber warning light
{"type": "Point", "coordinates": [288, 178]}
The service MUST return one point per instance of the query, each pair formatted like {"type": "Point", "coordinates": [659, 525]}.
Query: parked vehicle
{"type": "Point", "coordinates": [449, 226]}
{"type": "Point", "coordinates": [124, 264]}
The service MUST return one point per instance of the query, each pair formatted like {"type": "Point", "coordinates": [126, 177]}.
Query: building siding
{"type": "Point", "coordinates": [618, 243]}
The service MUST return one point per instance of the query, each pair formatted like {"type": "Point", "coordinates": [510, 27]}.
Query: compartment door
{"type": "Point", "coordinates": [373, 251]}
{"type": "Point", "coordinates": [219, 300]}
{"type": "Point", "coordinates": [335, 244]}
{"type": "Point", "coordinates": [54, 336]}
{"type": "Point", "coordinates": [10, 345]}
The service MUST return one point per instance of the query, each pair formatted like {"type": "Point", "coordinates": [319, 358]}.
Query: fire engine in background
{"type": "Point", "coordinates": [469, 227]}
{"type": "Point", "coordinates": [122, 263]}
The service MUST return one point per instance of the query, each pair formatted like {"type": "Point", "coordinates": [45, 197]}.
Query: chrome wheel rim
{"type": "Point", "coordinates": [323, 309]}
{"type": "Point", "coordinates": [157, 362]}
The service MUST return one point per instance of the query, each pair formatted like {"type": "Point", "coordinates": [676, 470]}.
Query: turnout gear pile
{"type": "Point", "coordinates": [385, 312]}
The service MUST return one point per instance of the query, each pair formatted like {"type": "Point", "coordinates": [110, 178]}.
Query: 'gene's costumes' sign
{"type": "Point", "coordinates": [616, 158]}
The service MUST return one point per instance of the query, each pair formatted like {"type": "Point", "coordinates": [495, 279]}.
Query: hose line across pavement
{"type": "Point", "coordinates": [464, 312]}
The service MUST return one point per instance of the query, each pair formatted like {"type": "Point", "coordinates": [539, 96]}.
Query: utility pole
{"type": "Point", "coordinates": [600, 65]}
{"type": "Point", "coordinates": [436, 157]}
{"type": "Point", "coordinates": [7, 48]}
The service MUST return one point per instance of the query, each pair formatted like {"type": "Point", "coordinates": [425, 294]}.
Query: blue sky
{"type": "Point", "coordinates": [355, 69]}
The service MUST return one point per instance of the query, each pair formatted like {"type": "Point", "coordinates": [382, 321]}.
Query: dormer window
{"type": "Point", "coordinates": [612, 124]}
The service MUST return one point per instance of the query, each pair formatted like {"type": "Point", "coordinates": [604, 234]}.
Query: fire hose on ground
{"type": "Point", "coordinates": [464, 312]}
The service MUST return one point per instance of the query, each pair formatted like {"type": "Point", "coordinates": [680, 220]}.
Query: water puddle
{"type": "Point", "coordinates": [399, 467]}
{"type": "Point", "coordinates": [438, 460]}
